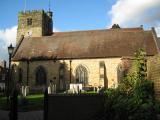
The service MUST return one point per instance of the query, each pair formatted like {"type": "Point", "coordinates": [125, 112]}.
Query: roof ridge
{"type": "Point", "coordinates": [108, 29]}
{"type": "Point", "coordinates": [135, 29]}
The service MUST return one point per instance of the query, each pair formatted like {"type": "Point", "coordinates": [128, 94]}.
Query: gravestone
{"type": "Point", "coordinates": [75, 88]}
{"type": "Point", "coordinates": [24, 90]}
{"type": "Point", "coordinates": [52, 89]}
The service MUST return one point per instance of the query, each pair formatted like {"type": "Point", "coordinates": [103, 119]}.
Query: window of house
{"type": "Point", "coordinates": [121, 73]}
{"type": "Point", "coordinates": [101, 64]}
{"type": "Point", "coordinates": [82, 75]}
{"type": "Point", "coordinates": [41, 75]}
{"type": "Point", "coordinates": [61, 71]}
{"type": "Point", "coordinates": [29, 21]}
{"type": "Point", "coordinates": [101, 70]}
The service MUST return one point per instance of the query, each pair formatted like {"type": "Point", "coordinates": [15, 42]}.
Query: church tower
{"type": "Point", "coordinates": [34, 23]}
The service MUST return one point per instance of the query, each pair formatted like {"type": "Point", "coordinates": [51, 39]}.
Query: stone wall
{"type": "Point", "coordinates": [93, 69]}
{"type": "Point", "coordinates": [41, 24]}
{"type": "Point", "coordinates": [153, 68]}
{"type": "Point", "coordinates": [52, 70]}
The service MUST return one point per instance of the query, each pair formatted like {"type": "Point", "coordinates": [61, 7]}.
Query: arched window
{"type": "Point", "coordinates": [81, 75]}
{"type": "Point", "coordinates": [41, 76]}
{"type": "Point", "coordinates": [121, 73]}
{"type": "Point", "coordinates": [61, 71]}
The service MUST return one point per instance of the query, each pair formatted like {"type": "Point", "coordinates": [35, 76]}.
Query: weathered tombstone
{"type": "Point", "coordinates": [24, 90]}
{"type": "Point", "coordinates": [49, 89]}
{"type": "Point", "coordinates": [52, 89]}
{"type": "Point", "coordinates": [75, 88]}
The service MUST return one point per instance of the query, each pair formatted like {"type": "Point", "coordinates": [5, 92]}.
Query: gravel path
{"type": "Point", "coordinates": [33, 115]}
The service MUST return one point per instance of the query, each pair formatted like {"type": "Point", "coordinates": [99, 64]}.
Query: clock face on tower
{"type": "Point", "coordinates": [29, 33]}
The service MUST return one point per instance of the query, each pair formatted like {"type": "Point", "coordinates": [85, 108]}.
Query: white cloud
{"type": "Point", "coordinates": [56, 30]}
{"type": "Point", "coordinates": [158, 31]}
{"type": "Point", "coordinates": [135, 13]}
{"type": "Point", "coordinates": [7, 36]}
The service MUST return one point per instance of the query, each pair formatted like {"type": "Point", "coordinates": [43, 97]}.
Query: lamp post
{"type": "Point", "coordinates": [10, 52]}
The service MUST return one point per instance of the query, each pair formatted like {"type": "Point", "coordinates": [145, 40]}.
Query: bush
{"type": "Point", "coordinates": [134, 98]}
{"type": "Point", "coordinates": [121, 106]}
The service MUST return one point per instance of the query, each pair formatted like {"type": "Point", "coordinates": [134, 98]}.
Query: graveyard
{"type": "Point", "coordinates": [29, 103]}
{"type": "Point", "coordinates": [80, 60]}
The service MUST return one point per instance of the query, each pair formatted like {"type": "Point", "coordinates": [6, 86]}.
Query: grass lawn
{"type": "Point", "coordinates": [31, 102]}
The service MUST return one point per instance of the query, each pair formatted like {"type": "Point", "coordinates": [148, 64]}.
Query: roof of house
{"type": "Point", "coordinates": [87, 44]}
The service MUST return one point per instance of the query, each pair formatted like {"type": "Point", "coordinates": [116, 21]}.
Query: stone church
{"type": "Point", "coordinates": [94, 58]}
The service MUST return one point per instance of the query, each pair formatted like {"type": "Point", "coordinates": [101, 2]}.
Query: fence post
{"type": "Point", "coordinates": [13, 106]}
{"type": "Point", "coordinates": [45, 112]}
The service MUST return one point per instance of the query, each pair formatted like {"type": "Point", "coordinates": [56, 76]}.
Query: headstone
{"type": "Point", "coordinates": [52, 89]}
{"type": "Point", "coordinates": [49, 89]}
{"type": "Point", "coordinates": [75, 88]}
{"type": "Point", "coordinates": [25, 90]}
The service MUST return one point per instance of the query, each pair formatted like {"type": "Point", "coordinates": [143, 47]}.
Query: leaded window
{"type": "Point", "coordinates": [29, 21]}
{"type": "Point", "coordinates": [101, 70]}
{"type": "Point", "coordinates": [61, 71]}
{"type": "Point", "coordinates": [41, 76]}
{"type": "Point", "coordinates": [81, 75]}
{"type": "Point", "coordinates": [121, 73]}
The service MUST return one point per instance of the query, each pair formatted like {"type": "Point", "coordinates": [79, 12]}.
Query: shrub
{"type": "Point", "coordinates": [134, 98]}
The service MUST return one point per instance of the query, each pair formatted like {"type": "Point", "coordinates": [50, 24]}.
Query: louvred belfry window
{"type": "Point", "coordinates": [29, 21]}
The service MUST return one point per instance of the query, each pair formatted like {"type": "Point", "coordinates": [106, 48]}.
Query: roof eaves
{"type": "Point", "coordinates": [157, 42]}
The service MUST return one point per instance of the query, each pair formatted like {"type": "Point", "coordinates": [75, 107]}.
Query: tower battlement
{"type": "Point", "coordinates": [34, 23]}
{"type": "Point", "coordinates": [31, 11]}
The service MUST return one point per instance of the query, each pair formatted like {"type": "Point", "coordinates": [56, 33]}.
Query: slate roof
{"type": "Point", "coordinates": [87, 44]}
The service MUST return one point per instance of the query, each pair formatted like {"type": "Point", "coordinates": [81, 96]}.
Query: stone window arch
{"type": "Point", "coordinates": [82, 75]}
{"type": "Point", "coordinates": [41, 75]}
{"type": "Point", "coordinates": [61, 71]}
{"type": "Point", "coordinates": [29, 21]}
{"type": "Point", "coordinates": [121, 73]}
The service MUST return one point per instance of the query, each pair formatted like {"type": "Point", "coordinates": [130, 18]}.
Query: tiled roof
{"type": "Point", "coordinates": [87, 44]}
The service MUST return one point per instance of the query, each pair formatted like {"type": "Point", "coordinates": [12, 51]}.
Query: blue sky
{"type": "Point", "coordinates": [70, 15]}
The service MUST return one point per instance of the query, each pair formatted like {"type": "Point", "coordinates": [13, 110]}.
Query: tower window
{"type": "Point", "coordinates": [29, 21]}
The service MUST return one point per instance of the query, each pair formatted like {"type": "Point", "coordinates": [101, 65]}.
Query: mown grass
{"type": "Point", "coordinates": [28, 103]}
{"type": "Point", "coordinates": [3, 103]}
{"type": "Point", "coordinates": [31, 102]}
